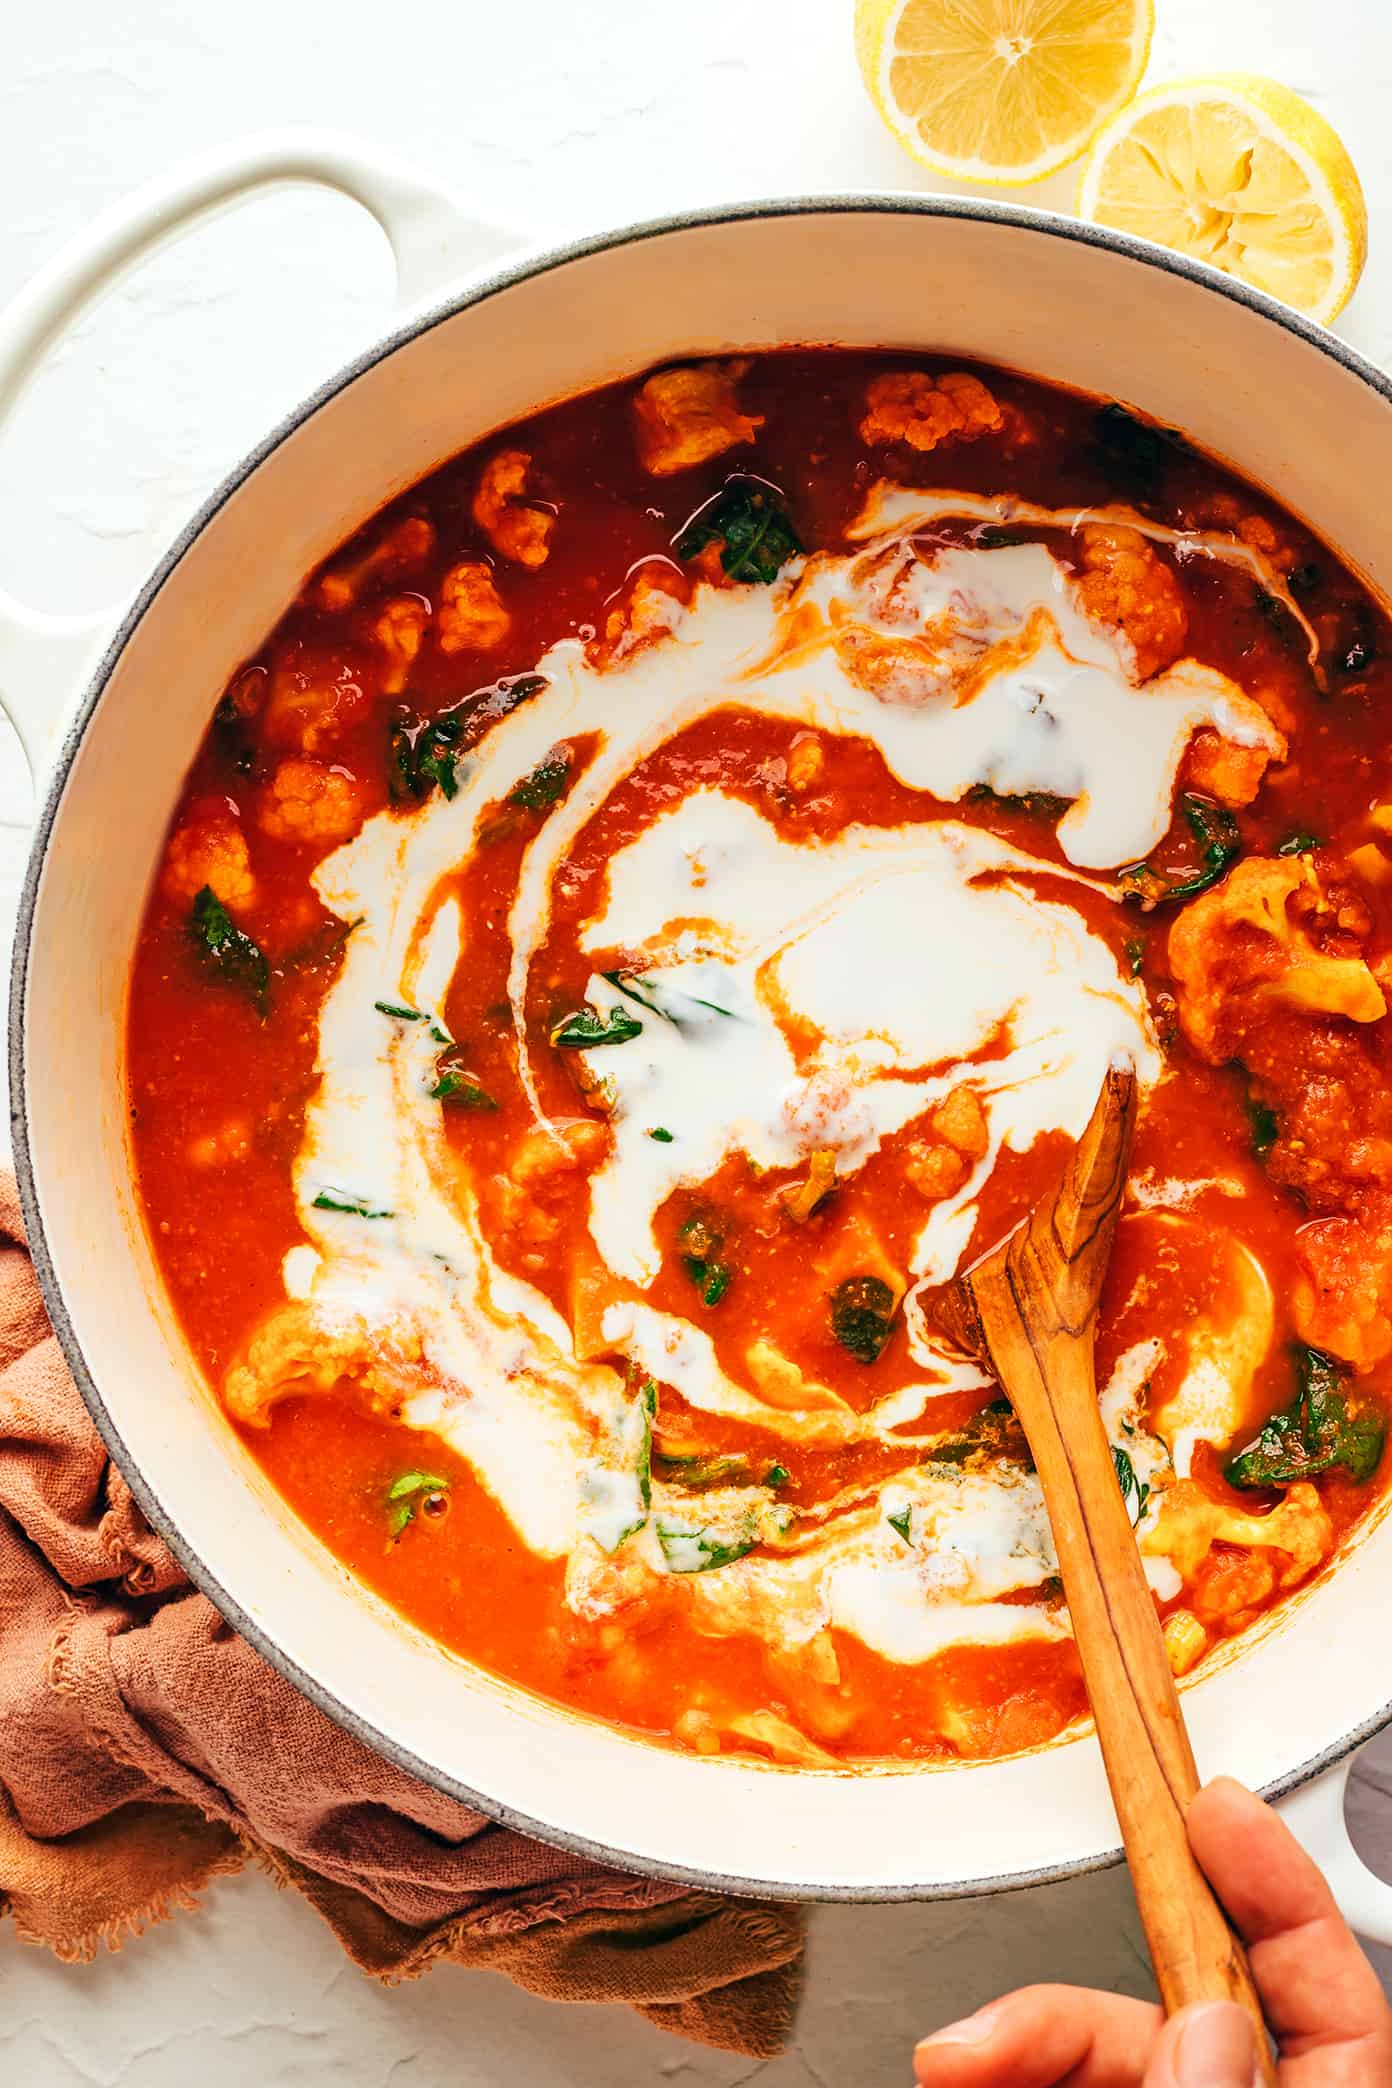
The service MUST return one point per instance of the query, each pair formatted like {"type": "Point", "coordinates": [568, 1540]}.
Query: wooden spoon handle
{"type": "Point", "coordinates": [1150, 1764]}
{"type": "Point", "coordinates": [1030, 1309]}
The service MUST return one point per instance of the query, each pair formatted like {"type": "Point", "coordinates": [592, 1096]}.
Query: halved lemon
{"type": "Point", "coordinates": [1239, 172]}
{"type": "Point", "coordinates": [1000, 90]}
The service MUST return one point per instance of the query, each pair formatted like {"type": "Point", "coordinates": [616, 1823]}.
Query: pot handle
{"type": "Point", "coordinates": [436, 238]}
{"type": "Point", "coordinates": [1315, 1816]}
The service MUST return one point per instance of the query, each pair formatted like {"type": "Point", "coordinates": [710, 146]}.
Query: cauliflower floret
{"type": "Point", "coordinates": [399, 631]}
{"type": "Point", "coordinates": [697, 1730]}
{"type": "Point", "coordinates": [685, 417]}
{"type": "Point", "coordinates": [1186, 1641]}
{"type": "Point", "coordinates": [558, 1149]}
{"type": "Point", "coordinates": [471, 616]}
{"type": "Point", "coordinates": [1219, 768]}
{"type": "Point", "coordinates": [907, 671]}
{"type": "Point", "coordinates": [1262, 535]}
{"type": "Point", "coordinates": [1188, 1523]}
{"type": "Point", "coordinates": [800, 1199]}
{"type": "Point", "coordinates": [524, 1224]}
{"type": "Point", "coordinates": [307, 801]}
{"type": "Point", "coordinates": [939, 661]}
{"type": "Point", "coordinates": [516, 525]}
{"type": "Point", "coordinates": [958, 1137]}
{"type": "Point", "coordinates": [806, 762]}
{"type": "Point", "coordinates": [1260, 965]}
{"type": "Point", "coordinates": [1128, 588]}
{"type": "Point", "coordinates": [293, 1352]}
{"type": "Point", "coordinates": [1231, 1587]}
{"type": "Point", "coordinates": [607, 1584]}
{"type": "Point", "coordinates": [961, 1120]}
{"type": "Point", "coordinates": [1224, 511]}
{"type": "Point", "coordinates": [542, 1153]}
{"type": "Point", "coordinates": [408, 544]}
{"type": "Point", "coordinates": [1245, 945]}
{"type": "Point", "coordinates": [910, 406]}
{"type": "Point", "coordinates": [979, 1729]}
{"type": "Point", "coordinates": [1342, 1299]}
{"type": "Point", "coordinates": [313, 702]}
{"type": "Point", "coordinates": [209, 848]}
{"type": "Point", "coordinates": [782, 1738]}
{"type": "Point", "coordinates": [1332, 986]}
{"type": "Point", "coordinates": [935, 1171]}
{"type": "Point", "coordinates": [650, 607]}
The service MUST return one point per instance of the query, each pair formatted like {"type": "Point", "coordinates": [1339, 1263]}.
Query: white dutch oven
{"type": "Point", "coordinates": [1284, 402]}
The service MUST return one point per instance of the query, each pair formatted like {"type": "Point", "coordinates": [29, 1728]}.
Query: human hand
{"type": "Point", "coordinates": [1321, 1996]}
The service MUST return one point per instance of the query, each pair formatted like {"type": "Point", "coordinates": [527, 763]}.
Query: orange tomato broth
{"type": "Point", "coordinates": [218, 1089]}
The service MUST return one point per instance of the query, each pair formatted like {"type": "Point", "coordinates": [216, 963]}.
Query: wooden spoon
{"type": "Point", "coordinates": [1028, 1311]}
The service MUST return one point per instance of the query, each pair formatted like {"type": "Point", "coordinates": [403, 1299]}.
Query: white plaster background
{"type": "Point", "coordinates": [563, 117]}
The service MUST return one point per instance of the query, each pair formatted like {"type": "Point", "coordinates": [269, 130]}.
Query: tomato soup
{"type": "Point", "coordinates": [662, 900]}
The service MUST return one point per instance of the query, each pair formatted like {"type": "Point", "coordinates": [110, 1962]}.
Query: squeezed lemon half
{"type": "Point", "coordinates": [1000, 90]}
{"type": "Point", "coordinates": [1239, 172]}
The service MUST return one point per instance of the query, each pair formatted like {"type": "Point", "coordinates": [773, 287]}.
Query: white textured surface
{"type": "Point", "coordinates": [565, 118]}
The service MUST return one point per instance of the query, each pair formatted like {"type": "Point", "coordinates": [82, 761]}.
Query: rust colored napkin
{"type": "Point", "coordinates": [146, 1749]}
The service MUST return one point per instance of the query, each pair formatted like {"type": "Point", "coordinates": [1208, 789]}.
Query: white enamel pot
{"type": "Point", "coordinates": [114, 725]}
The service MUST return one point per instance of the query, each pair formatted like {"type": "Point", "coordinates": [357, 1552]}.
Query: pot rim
{"type": "Point", "coordinates": [533, 262]}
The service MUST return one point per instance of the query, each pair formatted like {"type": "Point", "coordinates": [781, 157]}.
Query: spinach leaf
{"type": "Point", "coordinates": [622, 982]}
{"type": "Point", "coordinates": [756, 537]}
{"type": "Point", "coordinates": [1265, 1127]}
{"type": "Point", "coordinates": [585, 1029]}
{"type": "Point", "coordinates": [353, 1207]}
{"type": "Point", "coordinates": [401, 763]}
{"type": "Point", "coordinates": [861, 1310]}
{"type": "Point", "coordinates": [703, 1237]}
{"type": "Point", "coordinates": [711, 1278]}
{"type": "Point", "coordinates": [1035, 804]}
{"type": "Point", "coordinates": [992, 1432]}
{"type": "Point", "coordinates": [457, 1087]}
{"type": "Point", "coordinates": [546, 782]}
{"type": "Point", "coordinates": [777, 1475]}
{"type": "Point", "coordinates": [700, 1472]}
{"type": "Point", "coordinates": [409, 1493]}
{"type": "Point", "coordinates": [1298, 843]}
{"type": "Point", "coordinates": [902, 1522]}
{"type": "Point", "coordinates": [416, 1483]}
{"type": "Point", "coordinates": [1321, 1428]}
{"type": "Point", "coordinates": [1220, 844]}
{"type": "Point", "coordinates": [647, 1401]}
{"type": "Point", "coordinates": [1135, 957]}
{"type": "Point", "coordinates": [230, 954]}
{"type": "Point", "coordinates": [604, 1487]}
{"type": "Point", "coordinates": [1130, 1485]}
{"type": "Point", "coordinates": [1135, 454]}
{"type": "Point", "coordinates": [398, 1013]}
{"type": "Point", "coordinates": [322, 946]}
{"type": "Point", "coordinates": [649, 990]}
{"type": "Point", "coordinates": [1275, 614]}
{"type": "Point", "coordinates": [700, 1551]}
{"type": "Point", "coordinates": [423, 755]}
